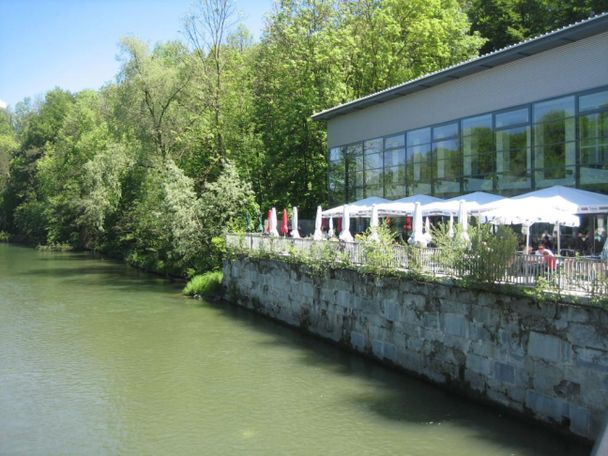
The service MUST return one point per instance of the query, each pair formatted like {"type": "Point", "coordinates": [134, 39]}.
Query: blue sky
{"type": "Point", "coordinates": [73, 44]}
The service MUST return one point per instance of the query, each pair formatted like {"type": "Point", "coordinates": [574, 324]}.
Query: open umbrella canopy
{"type": "Point", "coordinates": [473, 202]}
{"type": "Point", "coordinates": [572, 200]}
{"type": "Point", "coordinates": [422, 199]}
{"type": "Point", "coordinates": [361, 208]}
{"type": "Point", "coordinates": [528, 212]}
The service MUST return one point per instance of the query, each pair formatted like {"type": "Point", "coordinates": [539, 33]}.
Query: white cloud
{"type": "Point", "coordinates": [3, 104]}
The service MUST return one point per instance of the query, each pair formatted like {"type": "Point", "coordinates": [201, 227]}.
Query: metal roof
{"type": "Point", "coordinates": [565, 35]}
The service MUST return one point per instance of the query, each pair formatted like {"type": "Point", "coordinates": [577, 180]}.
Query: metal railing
{"type": "Point", "coordinates": [575, 275]}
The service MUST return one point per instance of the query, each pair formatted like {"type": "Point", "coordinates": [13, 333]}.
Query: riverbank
{"type": "Point", "coordinates": [546, 362]}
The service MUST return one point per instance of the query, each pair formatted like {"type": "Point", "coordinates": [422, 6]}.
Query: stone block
{"type": "Point", "coordinates": [391, 310]}
{"type": "Point", "coordinates": [548, 347]}
{"type": "Point", "coordinates": [479, 364]}
{"type": "Point", "coordinates": [430, 320]}
{"type": "Point", "coordinates": [378, 348]}
{"type": "Point", "coordinates": [455, 324]}
{"type": "Point", "coordinates": [580, 420]}
{"type": "Point", "coordinates": [357, 340]}
{"type": "Point", "coordinates": [486, 315]}
{"type": "Point", "coordinates": [585, 335]}
{"type": "Point", "coordinates": [504, 373]}
{"type": "Point", "coordinates": [546, 406]}
{"type": "Point", "coordinates": [591, 358]}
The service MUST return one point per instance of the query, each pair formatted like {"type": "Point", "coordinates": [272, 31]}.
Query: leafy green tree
{"type": "Point", "coordinates": [506, 22]}
{"type": "Point", "coordinates": [151, 87]}
{"type": "Point", "coordinates": [223, 207]}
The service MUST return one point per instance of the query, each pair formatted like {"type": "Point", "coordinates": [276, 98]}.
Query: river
{"type": "Point", "coordinates": [98, 358]}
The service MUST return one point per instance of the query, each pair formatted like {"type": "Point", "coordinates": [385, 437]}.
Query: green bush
{"type": "Point", "coordinates": [208, 284]}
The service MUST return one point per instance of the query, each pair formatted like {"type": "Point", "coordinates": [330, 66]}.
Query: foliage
{"type": "Point", "coordinates": [505, 22]}
{"type": "Point", "coordinates": [208, 284]}
{"type": "Point", "coordinates": [484, 255]}
{"type": "Point", "coordinates": [379, 250]}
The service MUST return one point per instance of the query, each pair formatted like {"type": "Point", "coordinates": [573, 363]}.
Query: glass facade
{"type": "Point", "coordinates": [558, 141]}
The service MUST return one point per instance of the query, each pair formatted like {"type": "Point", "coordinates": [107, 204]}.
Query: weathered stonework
{"type": "Point", "coordinates": [547, 361]}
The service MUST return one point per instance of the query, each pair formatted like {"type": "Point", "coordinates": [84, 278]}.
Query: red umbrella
{"type": "Point", "coordinates": [268, 220]}
{"type": "Point", "coordinates": [284, 227]}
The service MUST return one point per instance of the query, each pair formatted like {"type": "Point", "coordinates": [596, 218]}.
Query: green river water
{"type": "Point", "coordinates": [97, 358]}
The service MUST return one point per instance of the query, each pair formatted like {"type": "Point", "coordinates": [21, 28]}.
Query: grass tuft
{"type": "Point", "coordinates": [207, 284]}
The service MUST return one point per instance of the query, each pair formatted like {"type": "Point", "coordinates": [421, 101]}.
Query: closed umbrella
{"type": "Point", "coordinates": [417, 237]}
{"type": "Point", "coordinates": [345, 233]}
{"type": "Point", "coordinates": [463, 221]}
{"type": "Point", "coordinates": [284, 223]}
{"type": "Point", "coordinates": [260, 224]}
{"type": "Point", "coordinates": [330, 231]}
{"type": "Point", "coordinates": [269, 221]}
{"type": "Point", "coordinates": [273, 223]}
{"type": "Point", "coordinates": [248, 224]}
{"type": "Point", "coordinates": [318, 235]}
{"type": "Point", "coordinates": [451, 226]}
{"type": "Point", "coordinates": [294, 224]}
{"type": "Point", "coordinates": [427, 230]}
{"type": "Point", "coordinates": [374, 223]}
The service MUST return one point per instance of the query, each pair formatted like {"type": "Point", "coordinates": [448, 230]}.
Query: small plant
{"type": "Point", "coordinates": [208, 284]}
{"type": "Point", "coordinates": [379, 250]}
{"type": "Point", "coordinates": [55, 247]}
{"type": "Point", "coordinates": [4, 236]}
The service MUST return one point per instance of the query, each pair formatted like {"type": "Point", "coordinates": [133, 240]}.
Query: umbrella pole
{"type": "Point", "coordinates": [528, 240]}
{"type": "Point", "coordinates": [559, 247]}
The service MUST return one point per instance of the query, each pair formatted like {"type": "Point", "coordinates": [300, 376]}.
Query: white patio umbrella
{"type": "Point", "coordinates": [294, 224]}
{"type": "Point", "coordinates": [451, 226]}
{"type": "Point", "coordinates": [463, 221]}
{"type": "Point", "coordinates": [318, 234]}
{"type": "Point", "coordinates": [527, 212]}
{"type": "Point", "coordinates": [360, 208]}
{"type": "Point", "coordinates": [345, 234]}
{"type": "Point", "coordinates": [330, 231]}
{"type": "Point", "coordinates": [273, 223]}
{"type": "Point", "coordinates": [374, 223]}
{"type": "Point", "coordinates": [417, 237]}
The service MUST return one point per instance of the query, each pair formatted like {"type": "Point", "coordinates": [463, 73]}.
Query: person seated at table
{"type": "Point", "coordinates": [548, 256]}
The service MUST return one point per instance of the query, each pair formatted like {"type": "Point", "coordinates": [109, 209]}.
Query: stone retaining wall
{"type": "Point", "coordinates": [547, 361]}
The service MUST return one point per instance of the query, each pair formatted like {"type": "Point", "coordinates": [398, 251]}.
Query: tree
{"type": "Point", "coordinates": [151, 85]}
{"type": "Point", "coordinates": [506, 22]}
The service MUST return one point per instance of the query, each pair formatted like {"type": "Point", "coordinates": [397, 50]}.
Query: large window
{"type": "Point", "coordinates": [419, 161]}
{"type": "Point", "coordinates": [513, 158]}
{"type": "Point", "coordinates": [554, 141]}
{"type": "Point", "coordinates": [394, 167]}
{"type": "Point", "coordinates": [446, 159]}
{"type": "Point", "coordinates": [336, 175]}
{"type": "Point", "coordinates": [593, 128]}
{"type": "Point", "coordinates": [478, 154]}
{"type": "Point", "coordinates": [558, 141]}
{"type": "Point", "coordinates": [374, 163]}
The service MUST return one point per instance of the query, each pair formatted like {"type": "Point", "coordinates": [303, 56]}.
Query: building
{"type": "Point", "coordinates": [525, 117]}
